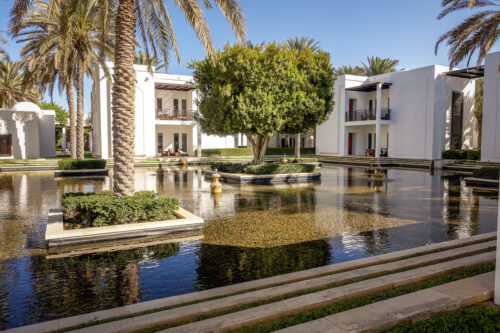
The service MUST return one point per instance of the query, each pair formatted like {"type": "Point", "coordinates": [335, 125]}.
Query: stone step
{"type": "Point", "coordinates": [315, 300]}
{"type": "Point", "coordinates": [422, 304]}
{"type": "Point", "coordinates": [218, 305]}
{"type": "Point", "coordinates": [252, 285]}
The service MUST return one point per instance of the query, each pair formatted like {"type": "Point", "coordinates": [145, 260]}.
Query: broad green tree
{"type": "Point", "coordinates": [153, 22]}
{"type": "Point", "coordinates": [13, 89]}
{"type": "Point", "coordinates": [61, 113]}
{"type": "Point", "coordinates": [376, 65]}
{"type": "Point", "coordinates": [260, 91]}
{"type": "Point", "coordinates": [477, 34]}
{"type": "Point", "coordinates": [315, 65]}
{"type": "Point", "coordinates": [478, 109]}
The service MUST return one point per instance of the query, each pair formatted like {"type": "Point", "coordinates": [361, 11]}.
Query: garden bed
{"type": "Point", "coordinates": [238, 178]}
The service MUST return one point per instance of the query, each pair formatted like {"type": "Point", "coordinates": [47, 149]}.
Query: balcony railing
{"type": "Point", "coordinates": [367, 114]}
{"type": "Point", "coordinates": [174, 114]}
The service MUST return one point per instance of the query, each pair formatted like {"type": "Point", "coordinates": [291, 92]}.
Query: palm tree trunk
{"type": "Point", "coordinates": [297, 145]}
{"type": "Point", "coordinates": [80, 150]}
{"type": "Point", "coordinates": [123, 100]}
{"type": "Point", "coordinates": [72, 118]}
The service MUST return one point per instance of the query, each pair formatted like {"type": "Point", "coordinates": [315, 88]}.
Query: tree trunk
{"type": "Point", "coordinates": [80, 149]}
{"type": "Point", "coordinates": [123, 100]}
{"type": "Point", "coordinates": [72, 118]}
{"type": "Point", "coordinates": [297, 145]}
{"type": "Point", "coordinates": [259, 147]}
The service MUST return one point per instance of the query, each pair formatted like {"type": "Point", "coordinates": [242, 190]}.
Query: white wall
{"type": "Point", "coordinates": [490, 143]}
{"type": "Point", "coordinates": [47, 133]}
{"type": "Point", "coordinates": [168, 136]}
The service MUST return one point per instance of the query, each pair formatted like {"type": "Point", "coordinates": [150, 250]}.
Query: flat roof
{"type": "Point", "coordinates": [467, 73]}
{"type": "Point", "coordinates": [370, 87]}
{"type": "Point", "coordinates": [175, 86]}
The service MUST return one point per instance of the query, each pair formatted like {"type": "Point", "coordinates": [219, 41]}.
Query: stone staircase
{"type": "Point", "coordinates": [265, 301]}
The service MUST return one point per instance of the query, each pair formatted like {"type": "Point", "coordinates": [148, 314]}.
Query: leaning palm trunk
{"type": "Point", "coordinates": [124, 99]}
{"type": "Point", "coordinates": [72, 118]}
{"type": "Point", "coordinates": [297, 145]}
{"type": "Point", "coordinates": [80, 150]}
{"type": "Point", "coordinates": [259, 146]}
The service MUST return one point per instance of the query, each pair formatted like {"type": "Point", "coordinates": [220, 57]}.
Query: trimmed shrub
{"type": "Point", "coordinates": [454, 154]}
{"type": "Point", "coordinates": [473, 154]}
{"type": "Point", "coordinates": [72, 164]}
{"type": "Point", "coordinates": [487, 172]}
{"type": "Point", "coordinates": [302, 160]}
{"type": "Point", "coordinates": [229, 167]}
{"type": "Point", "coordinates": [97, 209]}
{"type": "Point", "coordinates": [278, 168]}
{"type": "Point", "coordinates": [248, 151]}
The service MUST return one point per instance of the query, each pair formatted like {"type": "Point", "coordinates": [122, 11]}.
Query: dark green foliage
{"type": "Point", "coordinates": [248, 151]}
{"type": "Point", "coordinates": [487, 172]}
{"type": "Point", "coordinates": [82, 210]}
{"type": "Point", "coordinates": [263, 169]}
{"type": "Point", "coordinates": [302, 160]}
{"type": "Point", "coordinates": [73, 164]}
{"type": "Point", "coordinates": [473, 319]}
{"type": "Point", "coordinates": [462, 154]}
{"type": "Point", "coordinates": [61, 114]}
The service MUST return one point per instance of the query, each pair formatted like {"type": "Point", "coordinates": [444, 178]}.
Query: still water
{"type": "Point", "coordinates": [251, 232]}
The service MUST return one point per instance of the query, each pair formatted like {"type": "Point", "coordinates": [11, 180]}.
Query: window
{"type": "Point", "coordinates": [159, 103]}
{"type": "Point", "coordinates": [176, 140]}
{"type": "Point", "coordinates": [457, 116]}
{"type": "Point", "coordinates": [184, 107]}
{"type": "Point", "coordinates": [176, 107]}
{"type": "Point", "coordinates": [369, 141]}
{"type": "Point", "coordinates": [184, 142]}
{"type": "Point", "coordinates": [160, 143]}
{"type": "Point", "coordinates": [6, 145]}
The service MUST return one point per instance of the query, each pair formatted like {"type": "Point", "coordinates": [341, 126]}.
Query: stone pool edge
{"type": "Point", "coordinates": [235, 178]}
{"type": "Point", "coordinates": [55, 235]}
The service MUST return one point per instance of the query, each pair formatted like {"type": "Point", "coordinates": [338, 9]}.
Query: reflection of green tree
{"type": "Point", "coordinates": [91, 282]}
{"type": "Point", "coordinates": [223, 265]}
{"type": "Point", "coordinates": [289, 200]}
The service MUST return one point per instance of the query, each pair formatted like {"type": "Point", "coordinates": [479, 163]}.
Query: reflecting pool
{"type": "Point", "coordinates": [251, 232]}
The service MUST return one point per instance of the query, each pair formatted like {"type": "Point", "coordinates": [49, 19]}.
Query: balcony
{"type": "Point", "coordinates": [174, 114]}
{"type": "Point", "coordinates": [367, 114]}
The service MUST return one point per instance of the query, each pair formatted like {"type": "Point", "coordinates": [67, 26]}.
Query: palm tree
{"type": "Point", "coordinates": [349, 70]}
{"type": "Point", "coordinates": [377, 65]}
{"type": "Point", "coordinates": [3, 54]}
{"type": "Point", "coordinates": [478, 109]}
{"type": "Point", "coordinates": [301, 44]}
{"type": "Point", "coordinates": [154, 23]}
{"type": "Point", "coordinates": [478, 33]}
{"type": "Point", "coordinates": [12, 86]}
{"type": "Point", "coordinates": [62, 43]}
{"type": "Point", "coordinates": [141, 58]}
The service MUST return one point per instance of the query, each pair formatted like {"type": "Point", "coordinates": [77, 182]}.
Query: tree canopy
{"type": "Point", "coordinates": [61, 113]}
{"type": "Point", "coordinates": [262, 90]}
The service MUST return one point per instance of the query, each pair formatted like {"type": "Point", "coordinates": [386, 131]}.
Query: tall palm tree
{"type": "Point", "coordinates": [154, 23]}
{"type": "Point", "coordinates": [349, 70]}
{"type": "Point", "coordinates": [301, 44]}
{"type": "Point", "coordinates": [478, 33]}
{"type": "Point", "coordinates": [141, 58]}
{"type": "Point", "coordinates": [12, 86]}
{"type": "Point", "coordinates": [62, 43]}
{"type": "Point", "coordinates": [377, 65]}
{"type": "Point", "coordinates": [3, 54]}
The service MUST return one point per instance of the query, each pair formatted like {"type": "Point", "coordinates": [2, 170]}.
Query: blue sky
{"type": "Point", "coordinates": [349, 30]}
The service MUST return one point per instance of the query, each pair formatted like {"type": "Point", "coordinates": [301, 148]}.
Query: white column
{"type": "Point", "coordinates": [198, 136]}
{"type": "Point", "coordinates": [378, 116]}
{"type": "Point", "coordinates": [497, 270]}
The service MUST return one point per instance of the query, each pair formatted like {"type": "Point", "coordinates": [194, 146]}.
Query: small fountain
{"type": "Point", "coordinates": [215, 186]}
{"type": "Point", "coordinates": [284, 160]}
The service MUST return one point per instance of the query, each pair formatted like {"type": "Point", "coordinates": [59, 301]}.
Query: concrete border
{"type": "Point", "coordinates": [481, 182]}
{"type": "Point", "coordinates": [238, 178]}
{"type": "Point", "coordinates": [81, 172]}
{"type": "Point", "coordinates": [55, 234]}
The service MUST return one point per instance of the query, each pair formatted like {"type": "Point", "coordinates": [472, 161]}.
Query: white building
{"type": "Point", "coordinates": [26, 131]}
{"type": "Point", "coordinates": [405, 114]}
{"type": "Point", "coordinates": [490, 143]}
{"type": "Point", "coordinates": [164, 109]}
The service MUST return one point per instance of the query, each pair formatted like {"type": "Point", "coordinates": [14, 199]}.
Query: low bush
{"type": "Point", "coordinates": [302, 160]}
{"type": "Point", "coordinates": [72, 164]}
{"type": "Point", "coordinates": [462, 154]}
{"type": "Point", "coordinates": [487, 172]}
{"type": "Point", "coordinates": [248, 151]}
{"type": "Point", "coordinates": [263, 169]}
{"type": "Point", "coordinates": [97, 209]}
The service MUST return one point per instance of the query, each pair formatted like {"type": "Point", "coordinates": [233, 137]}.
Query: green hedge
{"type": "Point", "coordinates": [97, 209]}
{"type": "Point", "coordinates": [487, 172]}
{"type": "Point", "coordinates": [462, 154]}
{"type": "Point", "coordinates": [302, 160]}
{"type": "Point", "coordinates": [248, 151]}
{"type": "Point", "coordinates": [264, 169]}
{"type": "Point", "coordinates": [72, 164]}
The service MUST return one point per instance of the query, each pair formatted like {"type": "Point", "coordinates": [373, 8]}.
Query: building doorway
{"type": "Point", "coordinates": [6, 145]}
{"type": "Point", "coordinates": [457, 115]}
{"type": "Point", "coordinates": [350, 143]}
